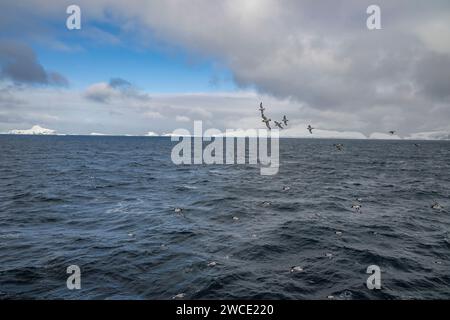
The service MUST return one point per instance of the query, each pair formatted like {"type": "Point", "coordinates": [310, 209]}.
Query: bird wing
{"type": "Point", "coordinates": [268, 126]}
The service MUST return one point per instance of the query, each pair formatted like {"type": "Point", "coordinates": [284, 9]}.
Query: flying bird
{"type": "Point", "coordinates": [261, 108]}
{"type": "Point", "coordinates": [310, 129]}
{"type": "Point", "coordinates": [278, 124]}
{"type": "Point", "coordinates": [285, 120]}
{"type": "Point", "coordinates": [339, 146]}
{"type": "Point", "coordinates": [392, 132]}
{"type": "Point", "coordinates": [266, 121]}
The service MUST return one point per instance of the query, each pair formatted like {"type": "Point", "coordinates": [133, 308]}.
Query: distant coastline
{"type": "Point", "coordinates": [37, 130]}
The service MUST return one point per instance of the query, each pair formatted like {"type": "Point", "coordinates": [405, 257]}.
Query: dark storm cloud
{"type": "Point", "coordinates": [19, 63]}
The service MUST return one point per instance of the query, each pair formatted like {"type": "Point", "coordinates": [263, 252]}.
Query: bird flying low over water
{"type": "Point", "coordinates": [278, 124]}
{"type": "Point", "coordinates": [339, 146]}
{"type": "Point", "coordinates": [285, 120]}
{"type": "Point", "coordinates": [310, 129]}
{"type": "Point", "coordinates": [392, 132]}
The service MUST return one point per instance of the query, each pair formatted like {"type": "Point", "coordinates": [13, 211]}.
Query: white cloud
{"type": "Point", "coordinates": [153, 115]}
{"type": "Point", "coordinates": [182, 119]}
{"type": "Point", "coordinates": [101, 92]}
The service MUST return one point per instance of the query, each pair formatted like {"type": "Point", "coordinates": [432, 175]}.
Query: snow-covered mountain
{"type": "Point", "coordinates": [34, 130]}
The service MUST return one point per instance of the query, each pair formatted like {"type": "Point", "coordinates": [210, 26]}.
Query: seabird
{"type": "Point", "coordinates": [296, 269]}
{"type": "Point", "coordinates": [285, 120]}
{"type": "Point", "coordinates": [417, 145]}
{"type": "Point", "coordinates": [436, 205]}
{"type": "Point", "coordinates": [286, 188]}
{"type": "Point", "coordinates": [339, 233]}
{"type": "Point", "coordinates": [278, 124]}
{"type": "Point", "coordinates": [261, 108]}
{"type": "Point", "coordinates": [266, 203]}
{"type": "Point", "coordinates": [329, 255]}
{"type": "Point", "coordinates": [179, 296]}
{"type": "Point", "coordinates": [310, 129]}
{"type": "Point", "coordinates": [356, 206]}
{"type": "Point", "coordinates": [178, 210]}
{"type": "Point", "coordinates": [392, 132]}
{"type": "Point", "coordinates": [339, 146]}
{"type": "Point", "coordinates": [212, 264]}
{"type": "Point", "coordinates": [266, 121]}
{"type": "Point", "coordinates": [235, 218]}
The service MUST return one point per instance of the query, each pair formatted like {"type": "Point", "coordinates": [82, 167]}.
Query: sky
{"type": "Point", "coordinates": [156, 66]}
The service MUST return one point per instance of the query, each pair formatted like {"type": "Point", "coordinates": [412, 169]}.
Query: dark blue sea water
{"type": "Point", "coordinates": [107, 205]}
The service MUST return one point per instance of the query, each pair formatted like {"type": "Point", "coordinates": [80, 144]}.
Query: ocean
{"type": "Point", "coordinates": [106, 204]}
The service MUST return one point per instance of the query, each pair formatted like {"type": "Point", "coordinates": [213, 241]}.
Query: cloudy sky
{"type": "Point", "coordinates": [158, 65]}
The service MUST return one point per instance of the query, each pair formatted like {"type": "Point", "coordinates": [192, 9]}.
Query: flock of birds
{"type": "Point", "coordinates": [279, 124]}
{"type": "Point", "coordinates": [339, 146]}
{"type": "Point", "coordinates": [284, 121]}
{"type": "Point", "coordinates": [356, 206]}
{"type": "Point", "coordinates": [266, 120]}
